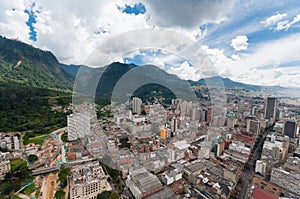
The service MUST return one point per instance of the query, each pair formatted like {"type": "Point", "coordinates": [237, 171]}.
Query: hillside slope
{"type": "Point", "coordinates": [23, 64]}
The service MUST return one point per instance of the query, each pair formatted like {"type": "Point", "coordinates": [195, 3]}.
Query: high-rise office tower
{"type": "Point", "coordinates": [290, 128]}
{"type": "Point", "coordinates": [137, 105]}
{"type": "Point", "coordinates": [270, 107]}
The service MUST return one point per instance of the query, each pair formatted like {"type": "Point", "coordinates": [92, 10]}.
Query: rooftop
{"type": "Point", "coordinates": [144, 180]}
{"type": "Point", "coordinates": [259, 193]}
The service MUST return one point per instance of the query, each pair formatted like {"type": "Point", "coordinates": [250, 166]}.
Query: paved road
{"type": "Point", "coordinates": [248, 172]}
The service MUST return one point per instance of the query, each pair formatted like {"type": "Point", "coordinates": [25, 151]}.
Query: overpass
{"type": "Point", "coordinates": [44, 170]}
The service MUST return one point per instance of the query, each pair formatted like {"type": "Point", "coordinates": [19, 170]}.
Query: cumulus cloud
{"type": "Point", "coordinates": [187, 14]}
{"type": "Point", "coordinates": [240, 43]}
{"type": "Point", "coordinates": [270, 21]}
{"type": "Point", "coordinates": [185, 71]}
{"type": "Point", "coordinates": [12, 20]}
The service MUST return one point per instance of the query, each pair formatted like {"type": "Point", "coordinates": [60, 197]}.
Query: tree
{"type": "Point", "coordinates": [63, 174]}
{"type": "Point", "coordinates": [104, 195]}
{"type": "Point", "coordinates": [64, 137]}
{"type": "Point", "coordinates": [32, 158]}
{"type": "Point", "coordinates": [60, 194]}
{"type": "Point", "coordinates": [114, 195]}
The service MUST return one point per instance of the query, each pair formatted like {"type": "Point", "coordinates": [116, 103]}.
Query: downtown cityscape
{"type": "Point", "coordinates": [149, 99]}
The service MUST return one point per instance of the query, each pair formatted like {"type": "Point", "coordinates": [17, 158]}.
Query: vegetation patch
{"type": "Point", "coordinates": [36, 140]}
{"type": "Point", "coordinates": [28, 190]}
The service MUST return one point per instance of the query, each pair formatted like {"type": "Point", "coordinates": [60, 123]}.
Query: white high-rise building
{"type": "Point", "coordinates": [137, 105]}
{"type": "Point", "coordinates": [79, 123]}
{"type": "Point", "coordinates": [16, 143]}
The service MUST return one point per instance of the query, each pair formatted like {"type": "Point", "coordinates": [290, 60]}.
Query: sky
{"type": "Point", "coordinates": [255, 42]}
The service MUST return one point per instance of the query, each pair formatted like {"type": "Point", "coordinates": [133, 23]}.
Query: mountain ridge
{"type": "Point", "coordinates": [24, 64]}
{"type": "Point", "coordinates": [21, 63]}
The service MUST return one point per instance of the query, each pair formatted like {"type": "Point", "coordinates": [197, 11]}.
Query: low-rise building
{"type": "Point", "coordinates": [88, 180]}
{"type": "Point", "coordinates": [259, 193]}
{"type": "Point", "coordinates": [230, 173]}
{"type": "Point", "coordinates": [287, 180]}
{"type": "Point", "coordinates": [142, 183]}
{"type": "Point", "coordinates": [171, 176]}
{"type": "Point", "coordinates": [4, 167]}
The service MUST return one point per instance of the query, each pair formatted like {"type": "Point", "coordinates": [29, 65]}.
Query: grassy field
{"type": "Point", "coordinates": [35, 140]}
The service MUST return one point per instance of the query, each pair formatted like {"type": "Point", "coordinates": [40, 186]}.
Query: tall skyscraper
{"type": "Point", "coordinates": [290, 128]}
{"type": "Point", "coordinates": [79, 123]}
{"type": "Point", "coordinates": [270, 108]}
{"type": "Point", "coordinates": [137, 105]}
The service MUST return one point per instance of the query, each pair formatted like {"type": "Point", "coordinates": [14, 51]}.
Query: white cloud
{"type": "Point", "coordinates": [276, 22]}
{"type": "Point", "coordinates": [12, 20]}
{"type": "Point", "coordinates": [235, 57]}
{"type": "Point", "coordinates": [282, 25]}
{"type": "Point", "coordinates": [270, 21]}
{"type": "Point", "coordinates": [284, 50]}
{"type": "Point", "coordinates": [240, 43]}
{"type": "Point", "coordinates": [184, 71]}
{"type": "Point", "coordinates": [285, 25]}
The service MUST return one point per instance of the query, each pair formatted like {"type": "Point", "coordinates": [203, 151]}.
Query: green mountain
{"type": "Point", "coordinates": [143, 81]}
{"type": "Point", "coordinates": [23, 64]}
{"type": "Point", "coordinates": [32, 82]}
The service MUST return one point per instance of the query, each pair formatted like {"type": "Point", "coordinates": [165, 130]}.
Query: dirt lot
{"type": "Point", "coordinates": [51, 183]}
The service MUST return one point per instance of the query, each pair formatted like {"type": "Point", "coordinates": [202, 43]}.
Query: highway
{"type": "Point", "coordinates": [44, 170]}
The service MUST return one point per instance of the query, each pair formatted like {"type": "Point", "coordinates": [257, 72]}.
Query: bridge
{"type": "Point", "coordinates": [44, 170]}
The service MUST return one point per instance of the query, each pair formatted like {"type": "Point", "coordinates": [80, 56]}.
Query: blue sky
{"type": "Point", "coordinates": [261, 38]}
{"type": "Point", "coordinates": [30, 22]}
{"type": "Point", "coordinates": [136, 9]}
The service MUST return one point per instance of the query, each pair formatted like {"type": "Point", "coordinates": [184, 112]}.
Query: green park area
{"type": "Point", "coordinates": [36, 140]}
